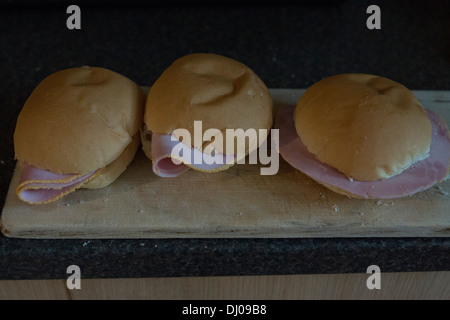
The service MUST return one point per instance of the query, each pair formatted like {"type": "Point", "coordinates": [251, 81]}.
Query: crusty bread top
{"type": "Point", "coordinates": [367, 127]}
{"type": "Point", "coordinates": [219, 91]}
{"type": "Point", "coordinates": [78, 120]}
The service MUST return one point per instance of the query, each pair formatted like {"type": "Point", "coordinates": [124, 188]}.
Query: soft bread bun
{"type": "Point", "coordinates": [78, 120]}
{"type": "Point", "coordinates": [113, 170]}
{"type": "Point", "coordinates": [219, 91]}
{"type": "Point", "coordinates": [367, 127]}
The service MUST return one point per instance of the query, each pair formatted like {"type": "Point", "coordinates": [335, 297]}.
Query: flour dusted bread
{"type": "Point", "coordinates": [367, 127]}
{"type": "Point", "coordinates": [219, 91]}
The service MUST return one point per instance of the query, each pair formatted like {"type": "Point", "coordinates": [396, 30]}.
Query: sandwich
{"type": "Point", "coordinates": [79, 128]}
{"type": "Point", "coordinates": [196, 110]}
{"type": "Point", "coordinates": [365, 136]}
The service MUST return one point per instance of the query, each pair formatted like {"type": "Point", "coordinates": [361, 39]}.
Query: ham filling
{"type": "Point", "coordinates": [43, 186]}
{"type": "Point", "coordinates": [165, 166]}
{"type": "Point", "coordinates": [418, 177]}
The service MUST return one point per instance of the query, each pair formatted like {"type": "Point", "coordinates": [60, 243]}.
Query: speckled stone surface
{"type": "Point", "coordinates": [289, 45]}
{"type": "Point", "coordinates": [31, 259]}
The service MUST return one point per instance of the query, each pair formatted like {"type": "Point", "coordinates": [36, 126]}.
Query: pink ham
{"type": "Point", "coordinates": [165, 166]}
{"type": "Point", "coordinates": [420, 176]}
{"type": "Point", "coordinates": [42, 186]}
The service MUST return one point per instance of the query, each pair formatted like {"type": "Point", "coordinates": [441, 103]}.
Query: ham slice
{"type": "Point", "coordinates": [165, 166]}
{"type": "Point", "coordinates": [420, 176]}
{"type": "Point", "coordinates": [43, 186]}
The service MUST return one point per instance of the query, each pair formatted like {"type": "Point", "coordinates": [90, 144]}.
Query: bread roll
{"type": "Point", "coordinates": [78, 120]}
{"type": "Point", "coordinates": [367, 127]}
{"type": "Point", "coordinates": [219, 91]}
{"type": "Point", "coordinates": [113, 170]}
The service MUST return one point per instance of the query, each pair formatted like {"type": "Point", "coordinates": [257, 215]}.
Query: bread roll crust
{"type": "Point", "coordinates": [219, 91]}
{"type": "Point", "coordinates": [368, 127]}
{"type": "Point", "coordinates": [78, 120]}
{"type": "Point", "coordinates": [113, 170]}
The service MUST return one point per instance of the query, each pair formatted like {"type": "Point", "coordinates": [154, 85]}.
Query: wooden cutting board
{"type": "Point", "coordinates": [238, 202]}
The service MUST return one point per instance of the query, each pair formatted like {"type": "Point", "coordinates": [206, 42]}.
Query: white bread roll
{"type": "Point", "coordinates": [219, 91]}
{"type": "Point", "coordinates": [367, 127]}
{"type": "Point", "coordinates": [81, 119]}
{"type": "Point", "coordinates": [113, 170]}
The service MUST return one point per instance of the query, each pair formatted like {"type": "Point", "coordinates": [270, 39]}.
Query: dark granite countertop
{"type": "Point", "coordinates": [288, 44]}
